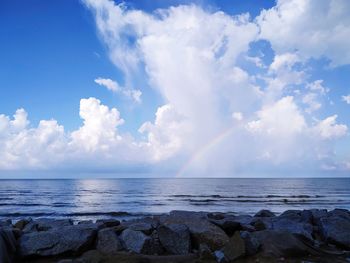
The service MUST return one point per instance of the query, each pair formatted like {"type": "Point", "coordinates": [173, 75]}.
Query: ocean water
{"type": "Point", "coordinates": [101, 198]}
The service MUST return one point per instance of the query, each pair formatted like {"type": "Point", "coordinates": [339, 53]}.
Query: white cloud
{"type": "Point", "coordinates": [328, 129]}
{"type": "Point", "coordinates": [108, 83]}
{"type": "Point", "coordinates": [315, 28]}
{"type": "Point", "coordinates": [284, 62]}
{"type": "Point", "coordinates": [167, 135]}
{"type": "Point", "coordinates": [346, 99]}
{"type": "Point", "coordinates": [216, 115]}
{"type": "Point", "coordinates": [317, 86]}
{"type": "Point", "coordinates": [310, 99]}
{"type": "Point", "coordinates": [99, 131]}
{"type": "Point", "coordinates": [113, 86]}
{"type": "Point", "coordinates": [281, 119]}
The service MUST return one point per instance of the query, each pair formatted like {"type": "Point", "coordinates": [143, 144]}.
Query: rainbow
{"type": "Point", "coordinates": [204, 149]}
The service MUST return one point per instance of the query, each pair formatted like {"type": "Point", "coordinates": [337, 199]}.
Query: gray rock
{"type": "Point", "coordinates": [108, 242]}
{"type": "Point", "coordinates": [7, 245]}
{"type": "Point", "coordinates": [20, 224]}
{"type": "Point", "coordinates": [65, 240]}
{"type": "Point", "coordinates": [202, 231]}
{"type": "Point", "coordinates": [205, 252]}
{"type": "Point", "coordinates": [293, 226]}
{"type": "Point", "coordinates": [228, 224]}
{"type": "Point", "coordinates": [138, 242]}
{"type": "Point", "coordinates": [220, 256]}
{"type": "Point", "coordinates": [91, 256]}
{"type": "Point", "coordinates": [109, 222]}
{"type": "Point", "coordinates": [235, 248]}
{"type": "Point", "coordinates": [293, 221]}
{"type": "Point", "coordinates": [44, 224]}
{"type": "Point", "coordinates": [264, 213]}
{"type": "Point", "coordinates": [335, 229]}
{"type": "Point", "coordinates": [317, 214]}
{"type": "Point", "coordinates": [252, 244]}
{"type": "Point", "coordinates": [281, 244]}
{"type": "Point", "coordinates": [175, 238]}
{"type": "Point", "coordinates": [216, 216]}
{"type": "Point", "coordinates": [6, 222]}
{"type": "Point", "coordinates": [146, 228]}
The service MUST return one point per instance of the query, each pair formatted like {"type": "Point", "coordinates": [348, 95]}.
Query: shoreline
{"type": "Point", "coordinates": [314, 235]}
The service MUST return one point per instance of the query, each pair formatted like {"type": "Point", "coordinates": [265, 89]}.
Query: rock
{"type": "Point", "coordinates": [293, 221]}
{"type": "Point", "coordinates": [262, 223]}
{"type": "Point", "coordinates": [264, 213]}
{"type": "Point", "coordinates": [146, 228]}
{"type": "Point", "coordinates": [216, 216]}
{"type": "Point", "coordinates": [157, 246]}
{"type": "Point", "coordinates": [175, 238]}
{"type": "Point", "coordinates": [252, 244]}
{"type": "Point", "coordinates": [44, 224]}
{"type": "Point", "coordinates": [281, 244]}
{"type": "Point", "coordinates": [91, 256]}
{"type": "Point", "coordinates": [235, 248]}
{"type": "Point", "coordinates": [7, 245]}
{"type": "Point", "coordinates": [65, 240]}
{"type": "Point", "coordinates": [109, 222]}
{"type": "Point", "coordinates": [202, 231]}
{"type": "Point", "coordinates": [294, 226]}
{"type": "Point", "coordinates": [20, 224]}
{"type": "Point", "coordinates": [4, 223]}
{"type": "Point", "coordinates": [205, 252]}
{"type": "Point", "coordinates": [335, 229]}
{"type": "Point", "coordinates": [138, 242]}
{"type": "Point", "coordinates": [229, 225]}
{"type": "Point", "coordinates": [108, 242]}
{"type": "Point", "coordinates": [317, 214]}
{"type": "Point", "coordinates": [220, 256]}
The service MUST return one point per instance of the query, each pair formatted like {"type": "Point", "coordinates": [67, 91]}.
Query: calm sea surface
{"type": "Point", "coordinates": [100, 198]}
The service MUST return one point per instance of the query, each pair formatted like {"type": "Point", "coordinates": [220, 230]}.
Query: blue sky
{"type": "Point", "coordinates": [127, 87]}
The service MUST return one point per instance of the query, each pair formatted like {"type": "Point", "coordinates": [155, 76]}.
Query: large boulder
{"type": "Point", "coordinates": [264, 213]}
{"type": "Point", "coordinates": [5, 223]}
{"type": "Point", "coordinates": [146, 228]}
{"type": "Point", "coordinates": [44, 224]}
{"type": "Point", "coordinates": [7, 245]}
{"type": "Point", "coordinates": [20, 224]}
{"type": "Point", "coordinates": [292, 221]}
{"type": "Point", "coordinates": [175, 238]}
{"type": "Point", "coordinates": [281, 244]}
{"type": "Point", "coordinates": [65, 240]}
{"type": "Point", "coordinates": [335, 228]}
{"type": "Point", "coordinates": [202, 231]}
{"type": "Point", "coordinates": [138, 242]}
{"type": "Point", "coordinates": [235, 248]}
{"type": "Point", "coordinates": [251, 243]}
{"type": "Point", "coordinates": [293, 226]}
{"type": "Point", "coordinates": [228, 224]}
{"type": "Point", "coordinates": [108, 242]}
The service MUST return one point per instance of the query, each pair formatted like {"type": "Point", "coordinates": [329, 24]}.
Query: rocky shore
{"type": "Point", "coordinates": [182, 236]}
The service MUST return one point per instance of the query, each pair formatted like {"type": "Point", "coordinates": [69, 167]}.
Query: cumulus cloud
{"type": "Point", "coordinates": [315, 28]}
{"type": "Point", "coordinates": [113, 86]}
{"type": "Point", "coordinates": [328, 129]}
{"type": "Point", "coordinates": [217, 114]}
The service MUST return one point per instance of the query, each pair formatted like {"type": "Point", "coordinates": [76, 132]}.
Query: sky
{"type": "Point", "coordinates": [176, 88]}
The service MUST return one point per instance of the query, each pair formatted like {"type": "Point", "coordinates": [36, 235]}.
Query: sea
{"type": "Point", "coordinates": [83, 199]}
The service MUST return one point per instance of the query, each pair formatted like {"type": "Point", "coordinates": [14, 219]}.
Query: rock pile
{"type": "Point", "coordinates": [182, 236]}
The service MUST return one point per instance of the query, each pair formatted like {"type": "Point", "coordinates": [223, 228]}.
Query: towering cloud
{"type": "Point", "coordinates": [224, 109]}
